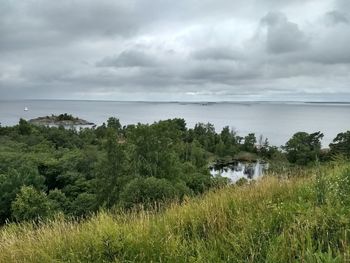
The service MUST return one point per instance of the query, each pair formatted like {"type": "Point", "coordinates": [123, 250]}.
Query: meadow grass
{"type": "Point", "coordinates": [305, 218]}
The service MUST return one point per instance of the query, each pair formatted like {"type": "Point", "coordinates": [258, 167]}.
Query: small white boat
{"type": "Point", "coordinates": [25, 108]}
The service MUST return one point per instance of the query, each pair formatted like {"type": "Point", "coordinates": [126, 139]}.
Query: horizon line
{"type": "Point", "coordinates": [185, 101]}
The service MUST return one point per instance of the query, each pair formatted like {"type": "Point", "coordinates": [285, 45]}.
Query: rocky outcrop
{"type": "Point", "coordinates": [58, 120]}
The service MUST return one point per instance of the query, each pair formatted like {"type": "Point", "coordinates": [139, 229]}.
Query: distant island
{"type": "Point", "coordinates": [62, 119]}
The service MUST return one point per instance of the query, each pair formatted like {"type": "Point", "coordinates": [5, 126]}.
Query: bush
{"type": "Point", "coordinates": [65, 117]}
{"type": "Point", "coordinates": [11, 183]}
{"type": "Point", "coordinates": [84, 204]}
{"type": "Point", "coordinates": [31, 204]}
{"type": "Point", "coordinates": [198, 182]}
{"type": "Point", "coordinates": [147, 191]}
{"type": "Point", "coordinates": [59, 200]}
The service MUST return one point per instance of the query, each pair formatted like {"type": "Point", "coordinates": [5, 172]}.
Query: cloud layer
{"type": "Point", "coordinates": [175, 50]}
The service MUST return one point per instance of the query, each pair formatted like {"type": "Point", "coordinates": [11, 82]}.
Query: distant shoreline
{"type": "Point", "coordinates": [192, 102]}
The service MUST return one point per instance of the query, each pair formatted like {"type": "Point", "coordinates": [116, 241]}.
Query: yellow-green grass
{"type": "Point", "coordinates": [272, 220]}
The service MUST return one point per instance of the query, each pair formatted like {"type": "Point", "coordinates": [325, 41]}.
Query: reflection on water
{"type": "Point", "coordinates": [236, 171]}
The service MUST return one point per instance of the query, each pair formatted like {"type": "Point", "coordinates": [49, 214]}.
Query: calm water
{"type": "Point", "coordinates": [249, 171]}
{"type": "Point", "coordinates": [276, 121]}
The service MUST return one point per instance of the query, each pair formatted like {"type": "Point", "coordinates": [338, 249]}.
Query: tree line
{"type": "Point", "coordinates": [50, 170]}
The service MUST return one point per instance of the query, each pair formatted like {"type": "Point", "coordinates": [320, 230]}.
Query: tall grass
{"type": "Point", "coordinates": [273, 220]}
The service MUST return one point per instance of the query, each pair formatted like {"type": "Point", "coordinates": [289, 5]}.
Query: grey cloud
{"type": "Point", "coordinates": [40, 23]}
{"type": "Point", "coordinates": [336, 17]}
{"type": "Point", "coordinates": [90, 18]}
{"type": "Point", "coordinates": [128, 58]}
{"type": "Point", "coordinates": [217, 53]}
{"type": "Point", "coordinates": [343, 5]}
{"type": "Point", "coordinates": [216, 50]}
{"type": "Point", "coordinates": [282, 35]}
{"type": "Point", "coordinates": [37, 23]}
{"type": "Point", "coordinates": [222, 72]}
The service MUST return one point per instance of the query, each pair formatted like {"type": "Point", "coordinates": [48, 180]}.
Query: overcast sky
{"type": "Point", "coordinates": [189, 50]}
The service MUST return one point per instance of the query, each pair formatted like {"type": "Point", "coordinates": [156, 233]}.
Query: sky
{"type": "Point", "coordinates": [183, 50]}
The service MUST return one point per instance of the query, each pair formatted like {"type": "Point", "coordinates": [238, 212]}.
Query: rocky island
{"type": "Point", "coordinates": [60, 120]}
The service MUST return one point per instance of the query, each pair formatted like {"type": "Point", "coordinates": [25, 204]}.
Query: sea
{"type": "Point", "coordinates": [277, 121]}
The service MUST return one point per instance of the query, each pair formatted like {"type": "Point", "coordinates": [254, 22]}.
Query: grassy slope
{"type": "Point", "coordinates": [269, 221]}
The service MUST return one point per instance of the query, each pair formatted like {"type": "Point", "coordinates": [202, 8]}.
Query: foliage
{"type": "Point", "coordinates": [84, 204]}
{"type": "Point", "coordinates": [270, 221]}
{"type": "Point", "coordinates": [11, 183]}
{"type": "Point", "coordinates": [148, 192]}
{"type": "Point", "coordinates": [82, 171]}
{"type": "Point", "coordinates": [341, 144]}
{"type": "Point", "coordinates": [249, 144]}
{"type": "Point", "coordinates": [59, 201]}
{"type": "Point", "coordinates": [65, 117]}
{"type": "Point", "coordinates": [24, 127]}
{"type": "Point", "coordinates": [304, 148]}
{"type": "Point", "coordinates": [343, 187]}
{"type": "Point", "coordinates": [114, 123]}
{"type": "Point", "coordinates": [31, 204]}
{"type": "Point", "coordinates": [110, 171]}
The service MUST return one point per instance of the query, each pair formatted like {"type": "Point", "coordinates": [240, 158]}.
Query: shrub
{"type": "Point", "coordinates": [31, 204]}
{"type": "Point", "coordinates": [147, 191]}
{"type": "Point", "coordinates": [84, 204]}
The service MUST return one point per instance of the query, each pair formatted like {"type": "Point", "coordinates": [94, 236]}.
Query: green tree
{"type": "Point", "coordinates": [31, 204]}
{"type": "Point", "coordinates": [265, 150]}
{"type": "Point", "coordinates": [303, 147]}
{"type": "Point", "coordinates": [84, 204]}
{"type": "Point", "coordinates": [59, 201]}
{"type": "Point", "coordinates": [114, 123]}
{"type": "Point", "coordinates": [341, 144]}
{"type": "Point", "coordinates": [249, 143]}
{"type": "Point", "coordinates": [65, 117]}
{"type": "Point", "coordinates": [205, 134]}
{"type": "Point", "coordinates": [198, 179]}
{"type": "Point", "coordinates": [221, 149]}
{"type": "Point", "coordinates": [196, 154]}
{"type": "Point", "coordinates": [101, 131]}
{"type": "Point", "coordinates": [155, 149]}
{"type": "Point", "coordinates": [229, 142]}
{"type": "Point", "coordinates": [110, 170]}
{"type": "Point", "coordinates": [11, 183]}
{"type": "Point", "coordinates": [62, 138]}
{"type": "Point", "coordinates": [24, 127]}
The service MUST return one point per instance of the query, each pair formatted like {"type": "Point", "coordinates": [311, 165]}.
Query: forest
{"type": "Point", "coordinates": [50, 171]}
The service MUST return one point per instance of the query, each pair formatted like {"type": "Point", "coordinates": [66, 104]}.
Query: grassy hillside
{"type": "Point", "coordinates": [303, 219]}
